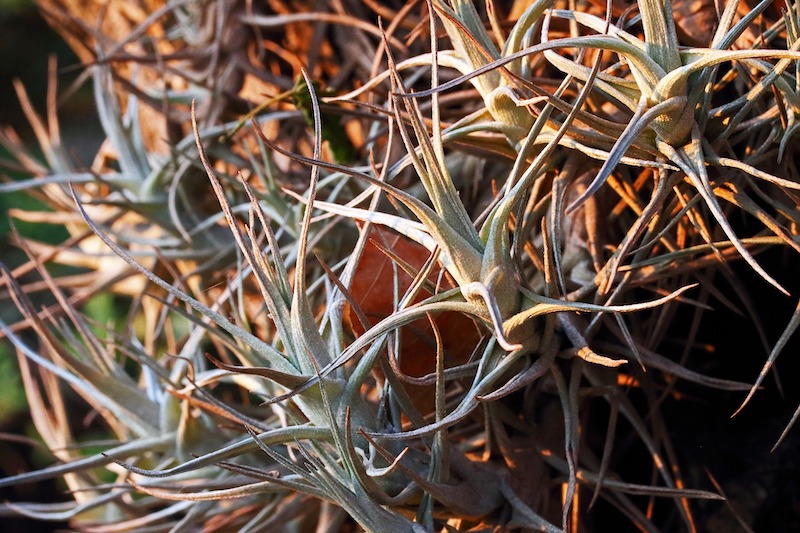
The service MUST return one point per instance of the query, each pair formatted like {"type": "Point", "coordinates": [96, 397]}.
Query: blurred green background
{"type": "Point", "coordinates": [26, 43]}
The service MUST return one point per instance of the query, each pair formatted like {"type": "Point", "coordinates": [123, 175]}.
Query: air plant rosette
{"type": "Point", "coordinates": [496, 224]}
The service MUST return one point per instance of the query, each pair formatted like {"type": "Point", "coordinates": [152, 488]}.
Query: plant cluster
{"type": "Point", "coordinates": [396, 266]}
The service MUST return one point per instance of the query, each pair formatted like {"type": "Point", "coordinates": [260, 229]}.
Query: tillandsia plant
{"type": "Point", "coordinates": [445, 299]}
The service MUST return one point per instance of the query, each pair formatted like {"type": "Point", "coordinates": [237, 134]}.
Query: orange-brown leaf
{"type": "Point", "coordinates": [373, 291]}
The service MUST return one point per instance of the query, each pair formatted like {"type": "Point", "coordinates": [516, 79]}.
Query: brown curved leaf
{"type": "Point", "coordinates": [373, 291]}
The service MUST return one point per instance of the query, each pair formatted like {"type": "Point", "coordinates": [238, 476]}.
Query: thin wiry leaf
{"type": "Point", "coordinates": [699, 178]}
{"type": "Point", "coordinates": [788, 331]}
{"type": "Point", "coordinates": [250, 340]}
{"type": "Point", "coordinates": [133, 448]}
